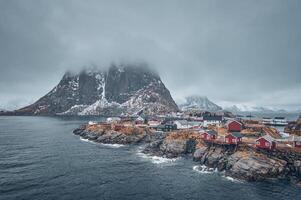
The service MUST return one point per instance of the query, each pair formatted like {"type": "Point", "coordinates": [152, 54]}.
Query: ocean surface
{"type": "Point", "coordinates": [40, 159]}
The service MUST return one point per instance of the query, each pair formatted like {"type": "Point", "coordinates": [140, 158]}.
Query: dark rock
{"type": "Point", "coordinates": [107, 92]}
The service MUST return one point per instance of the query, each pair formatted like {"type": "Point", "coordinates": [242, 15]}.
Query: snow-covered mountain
{"type": "Point", "coordinates": [199, 103]}
{"type": "Point", "coordinates": [119, 89]}
{"type": "Point", "coordinates": [248, 108]}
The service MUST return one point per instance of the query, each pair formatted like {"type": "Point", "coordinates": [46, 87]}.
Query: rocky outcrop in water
{"type": "Point", "coordinates": [102, 134]}
{"type": "Point", "coordinates": [246, 163]}
{"type": "Point", "coordinates": [242, 162]}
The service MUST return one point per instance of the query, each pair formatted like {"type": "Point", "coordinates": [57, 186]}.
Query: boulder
{"type": "Point", "coordinates": [256, 168]}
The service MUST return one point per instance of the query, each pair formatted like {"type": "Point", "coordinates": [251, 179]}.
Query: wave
{"type": "Point", "coordinates": [157, 159]}
{"type": "Point", "coordinates": [107, 145]}
{"type": "Point", "coordinates": [113, 145]}
{"type": "Point", "coordinates": [204, 169]}
{"type": "Point", "coordinates": [86, 140]}
{"type": "Point", "coordinates": [229, 178]}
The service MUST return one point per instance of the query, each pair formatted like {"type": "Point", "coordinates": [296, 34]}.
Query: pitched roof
{"type": "Point", "coordinates": [211, 132]}
{"type": "Point", "coordinates": [182, 122]}
{"type": "Point", "coordinates": [267, 138]}
{"type": "Point", "coordinates": [237, 134]}
{"type": "Point", "coordinates": [213, 118]}
{"type": "Point", "coordinates": [230, 121]}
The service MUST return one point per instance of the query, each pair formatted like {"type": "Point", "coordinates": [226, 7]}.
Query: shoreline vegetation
{"type": "Point", "coordinates": [240, 161]}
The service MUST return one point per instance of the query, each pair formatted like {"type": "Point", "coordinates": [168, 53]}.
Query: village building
{"type": "Point", "coordinates": [166, 127]}
{"type": "Point", "coordinates": [153, 123]}
{"type": "Point", "coordinates": [92, 123]}
{"type": "Point", "coordinates": [297, 141]}
{"type": "Point", "coordinates": [139, 120]}
{"type": "Point", "coordinates": [234, 126]}
{"type": "Point", "coordinates": [266, 142]}
{"type": "Point", "coordinates": [212, 120]}
{"type": "Point", "coordinates": [209, 135]}
{"type": "Point", "coordinates": [233, 138]}
{"type": "Point", "coordinates": [113, 119]}
{"type": "Point", "coordinates": [183, 124]}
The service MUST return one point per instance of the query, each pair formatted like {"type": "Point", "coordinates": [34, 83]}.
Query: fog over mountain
{"type": "Point", "coordinates": [235, 52]}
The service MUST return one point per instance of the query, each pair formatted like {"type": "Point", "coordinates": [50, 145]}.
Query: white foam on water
{"type": "Point", "coordinates": [203, 169]}
{"type": "Point", "coordinates": [107, 145]}
{"type": "Point", "coordinates": [86, 140]}
{"type": "Point", "coordinates": [229, 178]}
{"type": "Point", "coordinates": [157, 159]}
{"type": "Point", "coordinates": [113, 145]}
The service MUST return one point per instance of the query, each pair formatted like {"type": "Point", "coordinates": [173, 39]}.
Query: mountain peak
{"type": "Point", "coordinates": [196, 102]}
{"type": "Point", "coordinates": [93, 91]}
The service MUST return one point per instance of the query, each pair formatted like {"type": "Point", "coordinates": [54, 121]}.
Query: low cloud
{"type": "Point", "coordinates": [231, 51]}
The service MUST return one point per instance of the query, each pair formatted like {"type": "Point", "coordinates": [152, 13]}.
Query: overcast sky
{"type": "Point", "coordinates": [234, 52]}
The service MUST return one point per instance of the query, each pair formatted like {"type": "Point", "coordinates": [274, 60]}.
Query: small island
{"type": "Point", "coordinates": [240, 148]}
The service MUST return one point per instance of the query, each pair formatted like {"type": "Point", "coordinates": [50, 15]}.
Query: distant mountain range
{"type": "Point", "coordinates": [255, 109]}
{"type": "Point", "coordinates": [120, 89]}
{"type": "Point", "coordinates": [193, 103]}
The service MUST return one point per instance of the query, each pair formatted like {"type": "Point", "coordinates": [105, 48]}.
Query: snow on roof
{"type": "Point", "coordinates": [139, 118]}
{"type": "Point", "coordinates": [182, 122]}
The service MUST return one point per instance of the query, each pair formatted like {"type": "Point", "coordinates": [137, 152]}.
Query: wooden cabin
{"type": "Point", "coordinates": [266, 142]}
{"type": "Point", "coordinates": [234, 126]}
{"type": "Point", "coordinates": [233, 138]}
{"type": "Point", "coordinates": [209, 135]}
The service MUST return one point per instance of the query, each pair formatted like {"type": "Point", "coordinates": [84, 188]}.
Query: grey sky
{"type": "Point", "coordinates": [231, 51]}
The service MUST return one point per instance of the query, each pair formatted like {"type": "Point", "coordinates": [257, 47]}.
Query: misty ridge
{"type": "Point", "coordinates": [241, 55]}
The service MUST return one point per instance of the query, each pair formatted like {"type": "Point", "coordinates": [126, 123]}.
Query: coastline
{"type": "Point", "coordinates": [238, 162]}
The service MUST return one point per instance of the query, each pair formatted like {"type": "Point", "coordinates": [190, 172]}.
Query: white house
{"type": "Point", "coordinates": [212, 120]}
{"type": "Point", "coordinates": [113, 119]}
{"type": "Point", "coordinates": [183, 124]}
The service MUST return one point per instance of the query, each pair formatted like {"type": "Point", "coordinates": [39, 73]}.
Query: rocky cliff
{"type": "Point", "coordinates": [245, 163]}
{"type": "Point", "coordinates": [119, 89]}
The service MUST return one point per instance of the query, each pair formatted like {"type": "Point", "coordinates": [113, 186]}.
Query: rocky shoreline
{"type": "Point", "coordinates": [241, 162]}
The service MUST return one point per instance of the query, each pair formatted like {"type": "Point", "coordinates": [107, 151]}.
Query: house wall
{"type": "Point", "coordinates": [230, 139]}
{"type": "Point", "coordinates": [207, 123]}
{"type": "Point", "coordinates": [262, 143]}
{"type": "Point", "coordinates": [234, 126]}
{"type": "Point", "coordinates": [297, 144]}
{"type": "Point", "coordinates": [206, 136]}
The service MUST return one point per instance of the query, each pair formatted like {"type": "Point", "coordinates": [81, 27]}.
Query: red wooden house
{"type": "Point", "coordinates": [266, 142]}
{"type": "Point", "coordinates": [209, 135]}
{"type": "Point", "coordinates": [234, 126]}
{"type": "Point", "coordinates": [233, 138]}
